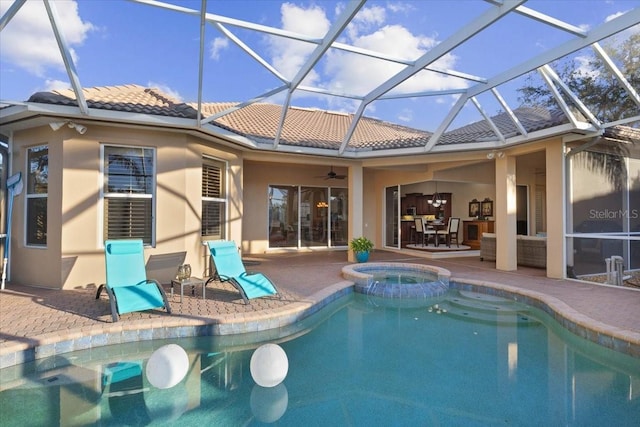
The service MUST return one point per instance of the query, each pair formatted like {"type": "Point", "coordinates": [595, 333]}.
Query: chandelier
{"type": "Point", "coordinates": [437, 201]}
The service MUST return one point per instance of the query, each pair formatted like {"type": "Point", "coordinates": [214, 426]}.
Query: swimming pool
{"type": "Point", "coordinates": [467, 359]}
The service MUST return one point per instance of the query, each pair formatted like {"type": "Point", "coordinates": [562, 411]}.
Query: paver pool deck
{"type": "Point", "coordinates": [37, 322]}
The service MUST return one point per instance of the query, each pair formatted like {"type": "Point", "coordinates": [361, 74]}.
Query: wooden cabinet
{"type": "Point", "coordinates": [407, 229]}
{"type": "Point", "coordinates": [472, 231]}
{"type": "Point", "coordinates": [409, 201]}
{"type": "Point", "coordinates": [421, 203]}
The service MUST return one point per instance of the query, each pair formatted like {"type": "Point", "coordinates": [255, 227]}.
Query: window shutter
{"type": "Point", "coordinates": [211, 181]}
{"type": "Point", "coordinates": [213, 199]}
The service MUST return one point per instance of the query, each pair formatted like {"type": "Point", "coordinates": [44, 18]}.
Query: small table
{"type": "Point", "coordinates": [191, 281]}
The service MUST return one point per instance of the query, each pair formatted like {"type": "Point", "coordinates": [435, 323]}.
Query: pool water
{"type": "Point", "coordinates": [464, 360]}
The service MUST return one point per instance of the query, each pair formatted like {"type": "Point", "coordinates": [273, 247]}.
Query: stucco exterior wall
{"type": "Point", "coordinates": [258, 176]}
{"type": "Point", "coordinates": [74, 256]}
{"type": "Point", "coordinates": [35, 265]}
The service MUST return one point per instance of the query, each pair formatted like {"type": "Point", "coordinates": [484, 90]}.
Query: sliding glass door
{"type": "Point", "coordinates": [391, 214]}
{"type": "Point", "coordinates": [338, 226]}
{"type": "Point", "coordinates": [283, 216]}
{"type": "Point", "coordinates": [307, 216]}
{"type": "Point", "coordinates": [314, 207]}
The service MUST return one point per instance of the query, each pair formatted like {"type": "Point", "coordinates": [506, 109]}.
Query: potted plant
{"type": "Point", "coordinates": [361, 246]}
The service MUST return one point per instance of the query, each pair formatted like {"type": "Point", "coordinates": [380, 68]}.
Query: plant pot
{"type": "Point", "coordinates": [362, 256]}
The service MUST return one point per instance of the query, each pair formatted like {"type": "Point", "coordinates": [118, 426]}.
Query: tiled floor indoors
{"type": "Point", "coordinates": [38, 322]}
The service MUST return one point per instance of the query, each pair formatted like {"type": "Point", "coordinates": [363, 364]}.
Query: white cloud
{"type": "Point", "coordinates": [369, 16]}
{"type": "Point", "coordinates": [584, 68]}
{"type": "Point", "coordinates": [351, 73]}
{"type": "Point", "coordinates": [166, 90]}
{"type": "Point", "coordinates": [51, 85]}
{"type": "Point", "coordinates": [288, 56]}
{"type": "Point", "coordinates": [613, 16]}
{"type": "Point", "coordinates": [405, 115]}
{"type": "Point", "coordinates": [28, 40]}
{"type": "Point", "coordinates": [312, 21]}
{"type": "Point", "coordinates": [360, 74]}
{"type": "Point", "coordinates": [584, 27]}
{"type": "Point", "coordinates": [400, 7]}
{"type": "Point", "coordinates": [217, 46]}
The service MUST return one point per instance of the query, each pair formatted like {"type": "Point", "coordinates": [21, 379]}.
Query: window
{"type": "Point", "coordinates": [214, 199]}
{"type": "Point", "coordinates": [37, 191]}
{"type": "Point", "coordinates": [128, 191]}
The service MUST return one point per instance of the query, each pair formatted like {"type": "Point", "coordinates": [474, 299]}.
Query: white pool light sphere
{"type": "Point", "coordinates": [167, 366]}
{"type": "Point", "coordinates": [269, 365]}
{"type": "Point", "coordinates": [268, 405]}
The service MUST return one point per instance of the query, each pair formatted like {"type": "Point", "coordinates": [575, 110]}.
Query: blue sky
{"type": "Point", "coordinates": [121, 42]}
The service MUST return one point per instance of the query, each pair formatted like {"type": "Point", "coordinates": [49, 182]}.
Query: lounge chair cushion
{"type": "Point", "coordinates": [229, 267]}
{"type": "Point", "coordinates": [127, 283]}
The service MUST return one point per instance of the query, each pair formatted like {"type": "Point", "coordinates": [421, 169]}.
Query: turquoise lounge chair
{"type": "Point", "coordinates": [127, 284]}
{"type": "Point", "coordinates": [229, 267]}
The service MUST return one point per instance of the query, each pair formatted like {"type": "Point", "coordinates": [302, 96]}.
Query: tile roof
{"type": "Point", "coordinates": [623, 133]}
{"type": "Point", "coordinates": [315, 128]}
{"type": "Point", "coordinates": [531, 118]}
{"type": "Point", "coordinates": [303, 126]}
{"type": "Point", "coordinates": [126, 98]}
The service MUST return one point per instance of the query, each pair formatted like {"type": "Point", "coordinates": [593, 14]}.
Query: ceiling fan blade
{"type": "Point", "coordinates": [331, 175]}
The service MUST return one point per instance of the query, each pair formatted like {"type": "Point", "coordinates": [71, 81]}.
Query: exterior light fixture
{"type": "Point", "coordinates": [56, 125]}
{"type": "Point", "coordinates": [78, 127]}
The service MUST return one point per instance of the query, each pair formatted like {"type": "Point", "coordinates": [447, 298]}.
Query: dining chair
{"type": "Point", "coordinates": [450, 232]}
{"type": "Point", "coordinates": [429, 232]}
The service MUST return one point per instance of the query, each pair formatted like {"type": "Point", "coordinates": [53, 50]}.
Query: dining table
{"type": "Point", "coordinates": [437, 225]}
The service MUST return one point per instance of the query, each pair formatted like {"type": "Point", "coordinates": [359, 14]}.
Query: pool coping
{"type": "Point", "coordinates": [174, 326]}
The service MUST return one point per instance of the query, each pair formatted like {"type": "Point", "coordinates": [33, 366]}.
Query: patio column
{"type": "Point", "coordinates": [555, 216]}
{"type": "Point", "coordinates": [505, 214]}
{"type": "Point", "coordinates": [356, 212]}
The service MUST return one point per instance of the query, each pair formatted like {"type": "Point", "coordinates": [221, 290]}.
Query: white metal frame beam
{"type": "Point", "coordinates": [334, 32]}
{"type": "Point", "coordinates": [52, 13]}
{"type": "Point", "coordinates": [462, 35]}
{"type": "Point", "coordinates": [616, 72]}
{"type": "Point", "coordinates": [385, 91]}
{"type": "Point", "coordinates": [10, 13]}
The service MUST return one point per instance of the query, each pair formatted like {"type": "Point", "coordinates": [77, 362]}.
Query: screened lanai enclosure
{"type": "Point", "coordinates": [603, 215]}
{"type": "Point", "coordinates": [528, 108]}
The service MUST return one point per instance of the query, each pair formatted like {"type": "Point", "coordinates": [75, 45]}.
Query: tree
{"type": "Point", "coordinates": [592, 81]}
{"type": "Point", "coordinates": [594, 84]}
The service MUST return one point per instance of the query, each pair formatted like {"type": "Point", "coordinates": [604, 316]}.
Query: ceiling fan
{"type": "Point", "coordinates": [332, 175]}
